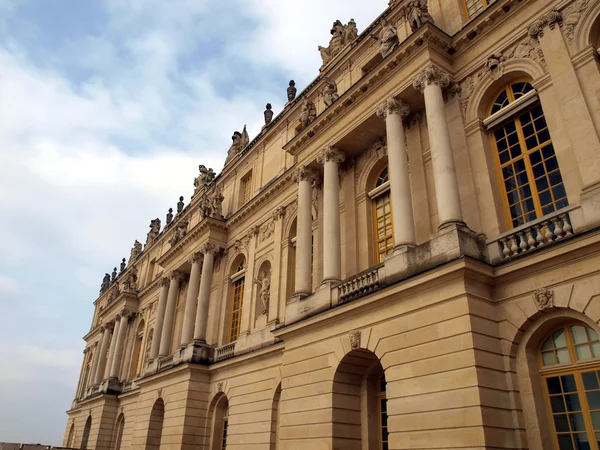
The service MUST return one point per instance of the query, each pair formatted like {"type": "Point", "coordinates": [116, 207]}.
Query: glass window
{"type": "Point", "coordinates": [383, 419]}
{"type": "Point", "coordinates": [528, 168]}
{"type": "Point", "coordinates": [246, 189]}
{"type": "Point", "coordinates": [573, 391]}
{"type": "Point", "coordinates": [472, 7]}
{"type": "Point", "coordinates": [382, 216]}
{"type": "Point", "coordinates": [237, 297]}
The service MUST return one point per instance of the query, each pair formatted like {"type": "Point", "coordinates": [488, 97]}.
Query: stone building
{"type": "Point", "coordinates": [406, 257]}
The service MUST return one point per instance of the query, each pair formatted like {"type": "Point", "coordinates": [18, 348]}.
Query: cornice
{"type": "Point", "coordinates": [203, 225]}
{"type": "Point", "coordinates": [427, 36]}
{"type": "Point", "coordinates": [278, 184]}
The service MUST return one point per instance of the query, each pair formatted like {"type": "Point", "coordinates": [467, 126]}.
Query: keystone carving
{"type": "Point", "coordinates": [354, 339]}
{"type": "Point", "coordinates": [544, 298]}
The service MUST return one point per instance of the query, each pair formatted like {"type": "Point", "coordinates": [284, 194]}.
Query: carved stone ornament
{"type": "Point", "coordinates": [330, 92]}
{"type": "Point", "coordinates": [388, 38]}
{"type": "Point", "coordinates": [176, 275]}
{"type": "Point", "coordinates": [180, 205]}
{"type": "Point", "coordinates": [544, 298]}
{"type": "Point", "coordinates": [136, 251]}
{"type": "Point", "coordinates": [354, 339]}
{"type": "Point", "coordinates": [179, 232]}
{"type": "Point", "coordinates": [105, 283]}
{"type": "Point", "coordinates": [341, 35]}
{"type": "Point", "coordinates": [377, 151]}
{"type": "Point", "coordinates": [291, 91]}
{"type": "Point", "coordinates": [209, 247]}
{"type": "Point", "coordinates": [267, 230]}
{"type": "Point", "coordinates": [220, 386]}
{"type": "Point", "coordinates": [159, 393]}
{"type": "Point", "coordinates": [536, 30]}
{"type": "Point", "coordinates": [393, 106]}
{"type": "Point", "coordinates": [205, 178]}
{"type": "Point", "coordinates": [239, 143]}
{"type": "Point", "coordinates": [264, 281]}
{"type": "Point", "coordinates": [278, 213]}
{"type": "Point", "coordinates": [268, 114]}
{"type": "Point", "coordinates": [169, 217]}
{"type": "Point", "coordinates": [114, 293]}
{"type": "Point", "coordinates": [308, 114]}
{"type": "Point", "coordinates": [305, 173]}
{"type": "Point", "coordinates": [130, 283]}
{"type": "Point", "coordinates": [330, 154]}
{"type": "Point", "coordinates": [252, 231]}
{"type": "Point", "coordinates": [431, 75]}
{"type": "Point", "coordinates": [572, 15]}
{"type": "Point", "coordinates": [154, 231]}
{"type": "Point", "coordinates": [417, 13]}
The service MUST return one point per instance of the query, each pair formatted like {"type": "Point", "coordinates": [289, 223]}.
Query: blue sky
{"type": "Point", "coordinates": [107, 107]}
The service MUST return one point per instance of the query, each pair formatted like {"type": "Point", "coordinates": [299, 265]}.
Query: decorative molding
{"type": "Point", "coordinates": [550, 19]}
{"type": "Point", "coordinates": [278, 213]}
{"type": "Point", "coordinates": [544, 299]}
{"type": "Point", "coordinates": [330, 153]}
{"type": "Point", "coordinates": [393, 106]}
{"type": "Point", "coordinates": [431, 75]}
{"type": "Point", "coordinates": [572, 15]}
{"type": "Point", "coordinates": [209, 247]}
{"type": "Point", "coordinates": [305, 173]}
{"type": "Point", "coordinates": [354, 339]}
{"type": "Point", "coordinates": [267, 230]}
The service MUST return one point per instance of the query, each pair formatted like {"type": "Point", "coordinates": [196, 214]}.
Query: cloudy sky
{"type": "Point", "coordinates": [106, 109]}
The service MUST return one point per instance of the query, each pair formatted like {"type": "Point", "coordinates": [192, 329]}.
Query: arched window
{"type": "Point", "coordinates": [527, 166]}
{"type": "Point", "coordinates": [71, 436]}
{"type": "Point", "coordinates": [570, 368]}
{"type": "Point", "coordinates": [220, 423]}
{"type": "Point", "coordinates": [237, 297]}
{"type": "Point", "coordinates": [118, 433]}
{"type": "Point", "coordinates": [383, 426]}
{"type": "Point", "coordinates": [382, 215]}
{"type": "Point", "coordinates": [155, 427]}
{"type": "Point", "coordinates": [275, 415]}
{"type": "Point", "coordinates": [86, 433]}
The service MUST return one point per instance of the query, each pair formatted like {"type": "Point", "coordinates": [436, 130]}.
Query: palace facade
{"type": "Point", "coordinates": [406, 257]}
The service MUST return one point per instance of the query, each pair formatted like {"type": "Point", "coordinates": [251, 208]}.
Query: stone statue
{"type": "Point", "coordinates": [205, 207]}
{"type": "Point", "coordinates": [330, 94]}
{"type": "Point", "coordinates": [341, 35]}
{"type": "Point", "coordinates": [291, 91]}
{"type": "Point", "coordinates": [204, 179]}
{"type": "Point", "coordinates": [179, 232]}
{"type": "Point", "coordinates": [148, 346]}
{"type": "Point", "coordinates": [154, 231]}
{"type": "Point", "coordinates": [130, 283]}
{"type": "Point", "coordinates": [113, 276]}
{"type": "Point", "coordinates": [105, 283]}
{"type": "Point", "coordinates": [308, 113]}
{"type": "Point", "coordinates": [268, 114]}
{"type": "Point", "coordinates": [417, 13]}
{"type": "Point", "coordinates": [123, 265]}
{"type": "Point", "coordinates": [180, 205]}
{"type": "Point", "coordinates": [240, 141]}
{"type": "Point", "coordinates": [216, 203]}
{"type": "Point", "coordinates": [350, 32]}
{"type": "Point", "coordinates": [264, 281]}
{"type": "Point", "coordinates": [136, 250]}
{"type": "Point", "coordinates": [170, 216]}
{"type": "Point", "coordinates": [388, 38]}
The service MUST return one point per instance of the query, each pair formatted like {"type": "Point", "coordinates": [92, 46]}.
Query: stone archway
{"type": "Point", "coordinates": [86, 433]}
{"type": "Point", "coordinates": [155, 427]}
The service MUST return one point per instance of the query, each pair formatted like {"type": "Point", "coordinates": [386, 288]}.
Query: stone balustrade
{"type": "Point", "coordinates": [533, 235]}
{"type": "Point", "coordinates": [165, 362]}
{"type": "Point", "coordinates": [360, 284]}
{"type": "Point", "coordinates": [225, 352]}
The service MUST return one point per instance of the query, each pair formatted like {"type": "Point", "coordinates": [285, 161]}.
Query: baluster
{"type": "Point", "coordinates": [523, 243]}
{"type": "Point", "coordinates": [530, 239]}
{"type": "Point", "coordinates": [558, 231]}
{"type": "Point", "coordinates": [566, 224]}
{"type": "Point", "coordinates": [548, 235]}
{"type": "Point", "coordinates": [514, 249]}
{"type": "Point", "coordinates": [540, 235]}
{"type": "Point", "coordinates": [504, 248]}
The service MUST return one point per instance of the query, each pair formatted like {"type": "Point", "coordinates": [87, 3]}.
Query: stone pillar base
{"type": "Point", "coordinates": [323, 298]}
{"type": "Point", "coordinates": [590, 206]}
{"type": "Point", "coordinates": [112, 386]}
{"type": "Point", "coordinates": [196, 352]}
{"type": "Point", "coordinates": [151, 367]}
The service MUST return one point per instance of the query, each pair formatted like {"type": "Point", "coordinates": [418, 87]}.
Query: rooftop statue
{"type": "Point", "coordinates": [170, 216]}
{"type": "Point", "coordinates": [154, 231]}
{"type": "Point", "coordinates": [105, 283]}
{"type": "Point", "coordinates": [417, 13]}
{"type": "Point", "coordinates": [204, 179]}
{"type": "Point", "coordinates": [330, 92]}
{"type": "Point", "coordinates": [113, 276]}
{"type": "Point", "coordinates": [268, 114]}
{"type": "Point", "coordinates": [130, 283]}
{"type": "Point", "coordinates": [308, 113]}
{"type": "Point", "coordinates": [341, 35]}
{"type": "Point", "coordinates": [180, 205]}
{"type": "Point", "coordinates": [388, 38]}
{"type": "Point", "coordinates": [123, 265]}
{"type": "Point", "coordinates": [240, 141]}
{"type": "Point", "coordinates": [136, 250]}
{"type": "Point", "coordinates": [291, 91]}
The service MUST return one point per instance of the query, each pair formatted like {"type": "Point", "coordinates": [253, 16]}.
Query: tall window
{"type": "Point", "coordinates": [527, 166]}
{"type": "Point", "coordinates": [383, 426]}
{"type": "Point", "coordinates": [224, 431]}
{"type": "Point", "coordinates": [382, 216]}
{"type": "Point", "coordinates": [236, 302]}
{"type": "Point", "coordinates": [246, 189]}
{"type": "Point", "coordinates": [570, 369]}
{"type": "Point", "coordinates": [472, 7]}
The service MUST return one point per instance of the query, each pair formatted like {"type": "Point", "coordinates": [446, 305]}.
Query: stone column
{"type": "Point", "coordinates": [278, 269]}
{"type": "Point", "coordinates": [160, 318]}
{"type": "Point", "coordinates": [431, 82]}
{"type": "Point", "coordinates": [305, 178]}
{"type": "Point", "coordinates": [191, 301]}
{"type": "Point", "coordinates": [80, 385]}
{"type": "Point", "coordinates": [209, 251]}
{"type": "Point", "coordinates": [102, 355]}
{"type": "Point", "coordinates": [115, 365]}
{"type": "Point", "coordinates": [392, 111]}
{"type": "Point", "coordinates": [94, 365]}
{"type": "Point", "coordinates": [167, 329]}
{"type": "Point", "coordinates": [332, 256]}
{"type": "Point", "coordinates": [111, 349]}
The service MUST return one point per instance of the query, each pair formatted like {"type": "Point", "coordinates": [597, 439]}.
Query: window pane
{"type": "Point", "coordinates": [593, 399]}
{"type": "Point", "coordinates": [596, 421]}
{"type": "Point", "coordinates": [582, 441]}
{"type": "Point", "coordinates": [547, 345]}
{"type": "Point", "coordinates": [590, 381]}
{"type": "Point", "coordinates": [583, 352]}
{"type": "Point", "coordinates": [579, 334]}
{"type": "Point", "coordinates": [568, 383]}
{"type": "Point", "coordinates": [553, 385]}
{"type": "Point", "coordinates": [572, 401]}
{"type": "Point", "coordinates": [596, 349]}
{"type": "Point", "coordinates": [565, 442]}
{"type": "Point", "coordinates": [577, 423]}
{"type": "Point", "coordinates": [559, 339]}
{"type": "Point", "coordinates": [592, 334]}
{"type": "Point", "coordinates": [548, 358]}
{"type": "Point", "coordinates": [563, 355]}
{"type": "Point", "coordinates": [557, 403]}
{"type": "Point", "coordinates": [561, 423]}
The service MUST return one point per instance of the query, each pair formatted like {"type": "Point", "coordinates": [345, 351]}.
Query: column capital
{"type": "Point", "coordinates": [195, 258]}
{"type": "Point", "coordinates": [209, 247]}
{"type": "Point", "coordinates": [304, 173]}
{"type": "Point", "coordinates": [550, 19]}
{"type": "Point", "coordinates": [330, 153]}
{"type": "Point", "coordinates": [431, 75]}
{"type": "Point", "coordinates": [164, 282]}
{"type": "Point", "coordinates": [175, 275]}
{"type": "Point", "coordinates": [278, 213]}
{"type": "Point", "coordinates": [393, 105]}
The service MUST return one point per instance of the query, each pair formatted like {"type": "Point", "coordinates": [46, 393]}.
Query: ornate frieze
{"type": "Point", "coordinates": [393, 106]}
{"type": "Point", "coordinates": [267, 230]}
{"type": "Point", "coordinates": [278, 213]}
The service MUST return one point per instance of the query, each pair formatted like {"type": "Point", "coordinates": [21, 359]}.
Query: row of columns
{"type": "Point", "coordinates": [110, 354]}
{"type": "Point", "coordinates": [196, 307]}
{"type": "Point", "coordinates": [430, 82]}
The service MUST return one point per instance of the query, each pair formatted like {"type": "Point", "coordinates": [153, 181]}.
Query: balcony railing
{"type": "Point", "coordinates": [531, 236]}
{"type": "Point", "coordinates": [165, 363]}
{"type": "Point", "coordinates": [225, 352]}
{"type": "Point", "coordinates": [359, 284]}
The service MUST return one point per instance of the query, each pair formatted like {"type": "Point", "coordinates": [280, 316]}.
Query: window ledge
{"type": "Point", "coordinates": [512, 108]}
